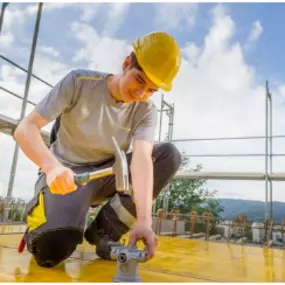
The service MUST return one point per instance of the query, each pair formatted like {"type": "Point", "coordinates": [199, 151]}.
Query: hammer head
{"type": "Point", "coordinates": [120, 169]}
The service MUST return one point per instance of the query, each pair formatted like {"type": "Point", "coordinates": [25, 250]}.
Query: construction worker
{"type": "Point", "coordinates": [89, 108]}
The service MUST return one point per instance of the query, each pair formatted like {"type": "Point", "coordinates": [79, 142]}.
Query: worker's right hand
{"type": "Point", "coordinates": [60, 180]}
{"type": "Point", "coordinates": [143, 231]}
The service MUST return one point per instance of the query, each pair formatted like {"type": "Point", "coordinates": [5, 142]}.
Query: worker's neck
{"type": "Point", "coordinates": [113, 87]}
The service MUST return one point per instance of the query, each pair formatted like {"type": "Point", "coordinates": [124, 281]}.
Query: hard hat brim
{"type": "Point", "coordinates": [158, 83]}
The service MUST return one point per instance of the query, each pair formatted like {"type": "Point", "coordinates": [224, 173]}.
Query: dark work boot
{"type": "Point", "coordinates": [106, 229]}
{"type": "Point", "coordinates": [103, 248]}
{"type": "Point", "coordinates": [99, 239]}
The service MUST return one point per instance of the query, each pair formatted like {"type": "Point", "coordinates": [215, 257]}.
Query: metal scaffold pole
{"type": "Point", "coordinates": [270, 131]}
{"type": "Point", "coordinates": [3, 8]}
{"type": "Point", "coordinates": [270, 162]}
{"type": "Point", "coordinates": [160, 118]}
{"type": "Point", "coordinates": [170, 114]}
{"type": "Point", "coordinates": [159, 136]}
{"type": "Point", "coordinates": [25, 101]}
{"type": "Point", "coordinates": [266, 153]}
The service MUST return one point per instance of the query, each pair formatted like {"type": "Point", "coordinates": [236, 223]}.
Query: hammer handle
{"type": "Point", "coordinates": [88, 176]}
{"type": "Point", "coordinates": [81, 178]}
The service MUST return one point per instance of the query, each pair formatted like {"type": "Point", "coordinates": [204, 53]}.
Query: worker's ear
{"type": "Point", "coordinates": [127, 63]}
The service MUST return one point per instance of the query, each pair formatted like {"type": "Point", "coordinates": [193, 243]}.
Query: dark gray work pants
{"type": "Point", "coordinates": [63, 229]}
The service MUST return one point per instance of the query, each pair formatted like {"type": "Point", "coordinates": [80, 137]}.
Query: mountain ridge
{"type": "Point", "coordinates": [255, 210]}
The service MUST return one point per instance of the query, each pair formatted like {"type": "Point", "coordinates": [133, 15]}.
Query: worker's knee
{"type": "Point", "coordinates": [169, 155]}
{"type": "Point", "coordinates": [53, 247]}
{"type": "Point", "coordinates": [167, 160]}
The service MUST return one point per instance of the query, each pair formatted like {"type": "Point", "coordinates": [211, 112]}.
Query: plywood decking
{"type": "Point", "coordinates": [177, 260]}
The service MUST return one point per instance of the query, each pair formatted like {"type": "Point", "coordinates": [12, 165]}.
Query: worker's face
{"type": "Point", "coordinates": [134, 84]}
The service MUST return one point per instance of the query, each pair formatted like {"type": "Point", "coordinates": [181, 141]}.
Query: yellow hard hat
{"type": "Point", "coordinates": [159, 56]}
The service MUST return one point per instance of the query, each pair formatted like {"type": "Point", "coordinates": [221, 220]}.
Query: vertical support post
{"type": "Point", "coordinates": [266, 153]}
{"type": "Point", "coordinates": [270, 151]}
{"type": "Point", "coordinates": [170, 113]}
{"type": "Point", "coordinates": [170, 124]}
{"type": "Point", "coordinates": [165, 201]}
{"type": "Point", "coordinates": [161, 117]}
{"type": "Point", "coordinates": [25, 99]}
{"type": "Point", "coordinates": [159, 139]}
{"type": "Point", "coordinates": [3, 7]}
{"type": "Point", "coordinates": [173, 113]}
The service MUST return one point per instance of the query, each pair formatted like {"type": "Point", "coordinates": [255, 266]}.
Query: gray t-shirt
{"type": "Point", "coordinates": [90, 117]}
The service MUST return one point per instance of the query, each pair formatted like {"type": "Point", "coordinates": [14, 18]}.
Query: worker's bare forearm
{"type": "Point", "coordinates": [142, 183]}
{"type": "Point", "coordinates": [29, 139]}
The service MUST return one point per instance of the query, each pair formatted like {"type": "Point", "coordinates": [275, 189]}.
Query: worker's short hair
{"type": "Point", "coordinates": [134, 62]}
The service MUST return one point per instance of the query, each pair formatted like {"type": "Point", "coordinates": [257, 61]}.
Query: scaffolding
{"type": "Point", "coordinates": [7, 125]}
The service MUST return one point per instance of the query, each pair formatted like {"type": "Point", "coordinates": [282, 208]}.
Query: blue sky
{"type": "Point", "coordinates": [265, 55]}
{"type": "Point", "coordinates": [218, 93]}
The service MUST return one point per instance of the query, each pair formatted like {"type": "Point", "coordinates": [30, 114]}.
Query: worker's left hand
{"type": "Point", "coordinates": [143, 231]}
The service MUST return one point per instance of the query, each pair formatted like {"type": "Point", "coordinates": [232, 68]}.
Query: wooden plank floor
{"type": "Point", "coordinates": [177, 260]}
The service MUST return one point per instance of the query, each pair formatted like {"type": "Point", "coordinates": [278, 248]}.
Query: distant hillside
{"type": "Point", "coordinates": [254, 209]}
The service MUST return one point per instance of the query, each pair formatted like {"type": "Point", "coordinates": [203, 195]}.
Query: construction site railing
{"type": "Point", "coordinates": [205, 227]}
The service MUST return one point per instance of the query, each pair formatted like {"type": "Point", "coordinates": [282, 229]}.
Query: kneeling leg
{"type": "Point", "coordinates": [56, 222]}
{"type": "Point", "coordinates": [53, 247]}
{"type": "Point", "coordinates": [118, 215]}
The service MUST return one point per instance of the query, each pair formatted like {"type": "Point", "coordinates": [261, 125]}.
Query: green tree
{"type": "Point", "coordinates": [214, 205]}
{"type": "Point", "coordinates": [189, 194]}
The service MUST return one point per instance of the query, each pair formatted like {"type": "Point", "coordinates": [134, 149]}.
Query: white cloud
{"type": "Point", "coordinates": [117, 13]}
{"type": "Point", "coordinates": [16, 16]}
{"type": "Point", "coordinates": [89, 12]}
{"type": "Point", "coordinates": [49, 50]}
{"type": "Point", "coordinates": [255, 33]}
{"type": "Point", "coordinates": [56, 5]}
{"type": "Point", "coordinates": [94, 44]}
{"type": "Point", "coordinates": [175, 15]}
{"type": "Point", "coordinates": [216, 94]}
{"type": "Point", "coordinates": [96, 57]}
{"type": "Point", "coordinates": [218, 39]}
{"type": "Point", "coordinates": [6, 40]}
{"type": "Point", "coordinates": [114, 15]}
{"type": "Point", "coordinates": [50, 69]}
{"type": "Point", "coordinates": [11, 79]}
{"type": "Point", "coordinates": [191, 52]}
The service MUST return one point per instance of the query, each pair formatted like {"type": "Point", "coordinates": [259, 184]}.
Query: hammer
{"type": "Point", "coordinates": [119, 169]}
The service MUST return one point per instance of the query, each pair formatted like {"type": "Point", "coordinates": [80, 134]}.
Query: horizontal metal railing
{"type": "Point", "coordinates": [210, 228]}
{"type": "Point", "coordinates": [16, 95]}
{"type": "Point", "coordinates": [192, 175]}
{"type": "Point", "coordinates": [226, 138]}
{"type": "Point", "coordinates": [174, 224]}
{"type": "Point", "coordinates": [233, 155]}
{"type": "Point", "coordinates": [8, 126]}
{"type": "Point", "coordinates": [24, 69]}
